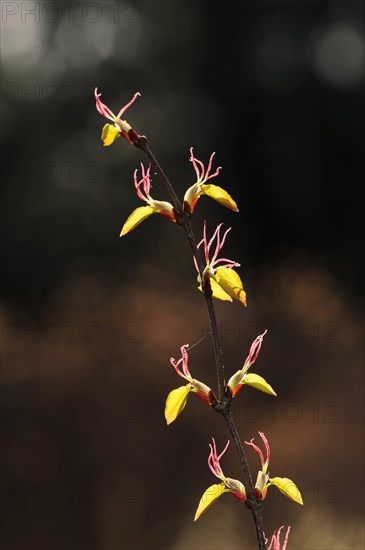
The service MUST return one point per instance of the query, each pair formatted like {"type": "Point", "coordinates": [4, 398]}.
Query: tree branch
{"type": "Point", "coordinates": [223, 405]}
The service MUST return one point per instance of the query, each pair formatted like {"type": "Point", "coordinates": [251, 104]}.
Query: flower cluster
{"type": "Point", "coordinates": [264, 481]}
{"type": "Point", "coordinates": [176, 400]}
{"type": "Point", "coordinates": [111, 132]}
{"type": "Point", "coordinates": [219, 279]}
{"type": "Point", "coordinates": [222, 280]}
{"type": "Point", "coordinates": [153, 207]}
{"type": "Point", "coordinates": [201, 187]}
{"type": "Point", "coordinates": [241, 377]}
{"type": "Point", "coordinates": [228, 485]}
{"type": "Point", "coordinates": [121, 127]}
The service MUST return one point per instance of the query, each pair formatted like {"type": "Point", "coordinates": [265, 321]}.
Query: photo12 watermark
{"type": "Point", "coordinates": [70, 491]}
{"type": "Point", "coordinates": [289, 332]}
{"type": "Point", "coordinates": [29, 11]}
{"type": "Point", "coordinates": [52, 91]}
{"type": "Point", "coordinates": [70, 332]}
{"type": "Point", "coordinates": [252, 412]}
{"type": "Point", "coordinates": [70, 413]}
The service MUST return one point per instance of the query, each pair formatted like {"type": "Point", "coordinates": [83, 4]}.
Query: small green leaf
{"type": "Point", "coordinates": [176, 401]}
{"type": "Point", "coordinates": [209, 497]}
{"type": "Point", "coordinates": [287, 487]}
{"type": "Point", "coordinates": [258, 382]}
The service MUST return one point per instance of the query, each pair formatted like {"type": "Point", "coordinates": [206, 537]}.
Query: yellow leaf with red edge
{"type": "Point", "coordinates": [209, 497]}
{"type": "Point", "coordinates": [175, 402]}
{"type": "Point", "coordinates": [258, 382]}
{"type": "Point", "coordinates": [109, 134]}
{"type": "Point", "coordinates": [287, 487]}
{"type": "Point", "coordinates": [220, 195]}
{"type": "Point", "coordinates": [231, 283]}
{"type": "Point", "coordinates": [137, 216]}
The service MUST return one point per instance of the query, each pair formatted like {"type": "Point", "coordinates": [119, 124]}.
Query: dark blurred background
{"type": "Point", "coordinates": [89, 321]}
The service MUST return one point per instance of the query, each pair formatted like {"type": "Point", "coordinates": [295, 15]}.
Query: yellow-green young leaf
{"type": "Point", "coordinates": [109, 134]}
{"type": "Point", "coordinates": [220, 195]}
{"type": "Point", "coordinates": [211, 494]}
{"type": "Point", "coordinates": [231, 283]}
{"type": "Point", "coordinates": [137, 216]}
{"type": "Point", "coordinates": [175, 402]}
{"type": "Point", "coordinates": [218, 292]}
{"type": "Point", "coordinates": [287, 487]}
{"type": "Point", "coordinates": [258, 382]}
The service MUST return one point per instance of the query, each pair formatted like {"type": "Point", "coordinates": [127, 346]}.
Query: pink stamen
{"type": "Point", "coordinates": [195, 161]}
{"type": "Point", "coordinates": [202, 174]}
{"type": "Point", "coordinates": [286, 537]}
{"type": "Point", "coordinates": [207, 176]}
{"type": "Point", "coordinates": [228, 263]}
{"type": "Point", "coordinates": [206, 244]}
{"type": "Point", "coordinates": [123, 109]}
{"type": "Point", "coordinates": [146, 180]}
{"type": "Point", "coordinates": [184, 360]}
{"type": "Point", "coordinates": [213, 459]}
{"type": "Point", "coordinates": [219, 245]}
{"type": "Point", "coordinates": [108, 113]}
{"type": "Point", "coordinates": [209, 165]}
{"type": "Point", "coordinates": [102, 108]}
{"type": "Point", "coordinates": [216, 235]}
{"type": "Point", "coordinates": [267, 446]}
{"type": "Point", "coordinates": [258, 450]}
{"type": "Point", "coordinates": [146, 183]}
{"type": "Point", "coordinates": [254, 350]}
{"type": "Point", "coordinates": [137, 185]}
{"type": "Point", "coordinates": [275, 540]}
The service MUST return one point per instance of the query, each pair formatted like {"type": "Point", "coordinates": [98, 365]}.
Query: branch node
{"type": "Point", "coordinates": [140, 142]}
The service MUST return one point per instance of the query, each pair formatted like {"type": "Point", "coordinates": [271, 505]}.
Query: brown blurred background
{"type": "Point", "coordinates": [90, 321]}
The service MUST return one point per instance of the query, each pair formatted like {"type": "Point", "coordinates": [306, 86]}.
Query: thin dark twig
{"type": "Point", "coordinates": [218, 355]}
{"type": "Point", "coordinates": [252, 503]}
{"type": "Point", "coordinates": [141, 143]}
{"type": "Point", "coordinates": [223, 405]}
